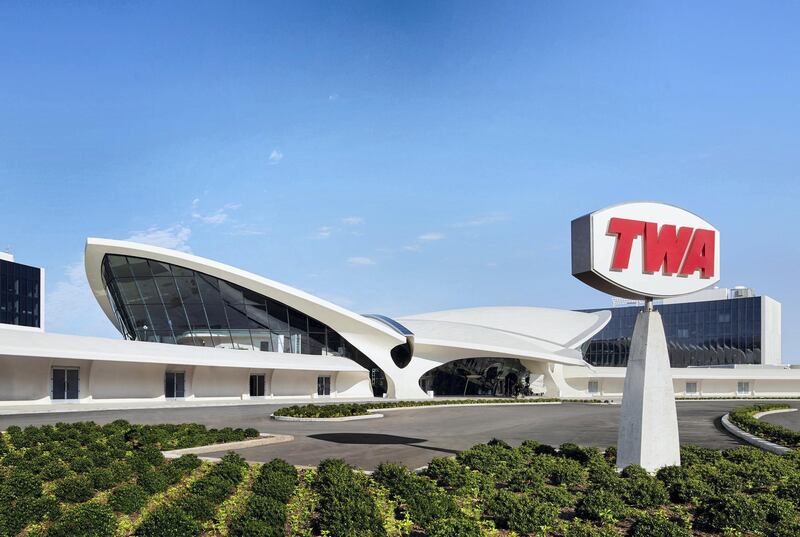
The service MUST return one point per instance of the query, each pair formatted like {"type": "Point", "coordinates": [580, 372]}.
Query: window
{"type": "Point", "coordinates": [257, 385]}
{"type": "Point", "coordinates": [66, 382]}
{"type": "Point", "coordinates": [323, 385]}
{"type": "Point", "coordinates": [174, 387]}
{"type": "Point", "coordinates": [157, 301]}
{"type": "Point", "coordinates": [594, 387]}
{"type": "Point", "coordinates": [743, 387]}
{"type": "Point", "coordinates": [691, 388]}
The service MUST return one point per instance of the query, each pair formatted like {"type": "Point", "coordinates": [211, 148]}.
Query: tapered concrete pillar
{"type": "Point", "coordinates": [648, 425]}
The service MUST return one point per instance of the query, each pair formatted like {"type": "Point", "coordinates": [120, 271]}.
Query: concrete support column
{"type": "Point", "coordinates": [648, 426]}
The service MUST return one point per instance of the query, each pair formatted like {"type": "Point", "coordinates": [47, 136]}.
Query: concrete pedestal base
{"type": "Point", "coordinates": [648, 427]}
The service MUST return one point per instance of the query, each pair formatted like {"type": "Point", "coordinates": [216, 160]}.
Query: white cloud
{"type": "Point", "coordinates": [484, 220]}
{"type": "Point", "coordinates": [412, 248]}
{"type": "Point", "coordinates": [323, 232]}
{"type": "Point", "coordinates": [333, 97]}
{"type": "Point", "coordinates": [72, 294]}
{"type": "Point", "coordinates": [275, 157]}
{"type": "Point", "coordinates": [215, 218]}
{"type": "Point", "coordinates": [432, 236]}
{"type": "Point", "coordinates": [243, 230]}
{"type": "Point", "coordinates": [352, 220]}
{"type": "Point", "coordinates": [174, 237]}
{"type": "Point", "coordinates": [360, 261]}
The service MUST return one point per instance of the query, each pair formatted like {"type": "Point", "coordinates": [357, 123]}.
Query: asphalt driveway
{"type": "Point", "coordinates": [414, 436]}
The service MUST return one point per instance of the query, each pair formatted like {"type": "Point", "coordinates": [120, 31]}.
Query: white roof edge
{"type": "Point", "coordinates": [69, 347]}
{"type": "Point", "coordinates": [333, 315]}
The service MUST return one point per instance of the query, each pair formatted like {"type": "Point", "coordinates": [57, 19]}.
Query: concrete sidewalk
{"type": "Point", "coordinates": [59, 408]}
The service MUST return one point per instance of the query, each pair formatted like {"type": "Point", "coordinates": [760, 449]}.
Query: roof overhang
{"type": "Point", "coordinates": [16, 344]}
{"type": "Point", "coordinates": [338, 318]}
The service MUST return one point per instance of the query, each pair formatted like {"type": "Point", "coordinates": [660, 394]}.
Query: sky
{"type": "Point", "coordinates": [396, 157]}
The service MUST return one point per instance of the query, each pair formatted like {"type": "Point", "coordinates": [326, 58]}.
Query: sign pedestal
{"type": "Point", "coordinates": [648, 425]}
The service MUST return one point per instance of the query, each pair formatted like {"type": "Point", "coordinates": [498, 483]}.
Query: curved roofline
{"type": "Point", "coordinates": [338, 318]}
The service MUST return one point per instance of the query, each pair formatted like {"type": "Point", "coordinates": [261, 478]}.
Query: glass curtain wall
{"type": "Point", "coordinates": [165, 303]}
{"type": "Point", "coordinates": [711, 333]}
{"type": "Point", "coordinates": [478, 376]}
{"type": "Point", "coordinates": [19, 294]}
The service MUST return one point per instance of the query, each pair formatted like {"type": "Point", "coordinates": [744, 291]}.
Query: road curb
{"type": "Point", "coordinates": [753, 439]}
{"type": "Point", "coordinates": [370, 416]}
{"type": "Point", "coordinates": [264, 440]}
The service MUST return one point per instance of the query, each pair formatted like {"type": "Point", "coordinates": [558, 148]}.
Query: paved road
{"type": "Point", "coordinates": [787, 419]}
{"type": "Point", "coordinates": [415, 436]}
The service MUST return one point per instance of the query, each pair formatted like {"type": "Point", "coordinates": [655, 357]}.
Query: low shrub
{"type": "Point", "coordinates": [581, 528]}
{"type": "Point", "coordinates": [128, 498]}
{"type": "Point", "coordinates": [186, 463]}
{"type": "Point", "coordinates": [54, 469]}
{"type": "Point", "coordinates": [74, 489]}
{"type": "Point", "coordinates": [657, 525]}
{"type": "Point", "coordinates": [566, 471]}
{"type": "Point", "coordinates": [153, 481]}
{"type": "Point", "coordinates": [340, 410]}
{"type": "Point", "coordinates": [644, 491]}
{"type": "Point", "coordinates": [425, 501]}
{"type": "Point", "coordinates": [682, 485]}
{"type": "Point", "coordinates": [496, 460]}
{"type": "Point", "coordinates": [102, 478]}
{"type": "Point", "coordinates": [743, 418]}
{"type": "Point", "coordinates": [90, 519]}
{"type": "Point", "coordinates": [600, 505]}
{"type": "Point", "coordinates": [197, 506]}
{"type": "Point", "coordinates": [736, 511]}
{"type": "Point", "coordinates": [346, 508]}
{"type": "Point", "coordinates": [263, 517]}
{"type": "Point", "coordinates": [22, 483]}
{"type": "Point", "coordinates": [454, 527]}
{"type": "Point", "coordinates": [276, 479]}
{"type": "Point", "coordinates": [167, 521]}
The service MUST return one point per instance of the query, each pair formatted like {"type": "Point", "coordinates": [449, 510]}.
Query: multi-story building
{"type": "Point", "coordinates": [21, 292]}
{"type": "Point", "coordinates": [714, 327]}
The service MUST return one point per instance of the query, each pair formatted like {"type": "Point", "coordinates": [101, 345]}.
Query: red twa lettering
{"type": "Point", "coordinates": [664, 248]}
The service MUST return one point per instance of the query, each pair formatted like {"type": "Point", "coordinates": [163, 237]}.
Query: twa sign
{"type": "Point", "coordinates": [641, 250]}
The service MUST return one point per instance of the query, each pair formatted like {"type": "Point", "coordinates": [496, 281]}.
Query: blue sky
{"type": "Point", "coordinates": [396, 157]}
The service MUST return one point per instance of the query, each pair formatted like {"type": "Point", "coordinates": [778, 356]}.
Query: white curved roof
{"type": "Point", "coordinates": [543, 327]}
{"type": "Point", "coordinates": [338, 318]}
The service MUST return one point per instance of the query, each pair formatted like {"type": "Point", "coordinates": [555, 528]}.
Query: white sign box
{"type": "Point", "coordinates": [645, 250]}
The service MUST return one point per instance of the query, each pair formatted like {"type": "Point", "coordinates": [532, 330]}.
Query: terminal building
{"type": "Point", "coordinates": [196, 329]}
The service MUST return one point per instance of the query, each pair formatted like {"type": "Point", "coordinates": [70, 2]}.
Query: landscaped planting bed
{"type": "Point", "coordinates": [344, 410]}
{"type": "Point", "coordinates": [87, 480]}
{"type": "Point", "coordinates": [743, 418]}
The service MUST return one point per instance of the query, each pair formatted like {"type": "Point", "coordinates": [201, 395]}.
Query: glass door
{"type": "Point", "coordinates": [323, 385]}
{"type": "Point", "coordinates": [66, 382]}
{"type": "Point", "coordinates": [256, 385]}
{"type": "Point", "coordinates": [174, 384]}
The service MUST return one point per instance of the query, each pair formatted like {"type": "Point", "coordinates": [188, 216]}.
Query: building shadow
{"type": "Point", "coordinates": [375, 439]}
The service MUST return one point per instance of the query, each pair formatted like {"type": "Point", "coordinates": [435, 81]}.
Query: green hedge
{"type": "Point", "coordinates": [743, 418]}
{"type": "Point", "coordinates": [343, 410]}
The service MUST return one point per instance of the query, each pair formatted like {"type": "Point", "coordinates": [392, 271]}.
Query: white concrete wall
{"type": "Point", "coordinates": [112, 380]}
{"type": "Point", "coordinates": [220, 382]}
{"type": "Point", "coordinates": [770, 331]}
{"type": "Point", "coordinates": [353, 384]}
{"type": "Point", "coordinates": [295, 383]}
{"type": "Point", "coordinates": [24, 380]}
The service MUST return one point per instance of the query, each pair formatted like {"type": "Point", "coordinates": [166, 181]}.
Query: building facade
{"type": "Point", "coordinates": [196, 329]}
{"type": "Point", "coordinates": [21, 292]}
{"type": "Point", "coordinates": [717, 327]}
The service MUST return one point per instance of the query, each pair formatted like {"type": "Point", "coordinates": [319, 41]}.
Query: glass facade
{"type": "Point", "coordinates": [165, 303]}
{"type": "Point", "coordinates": [19, 294]}
{"type": "Point", "coordinates": [477, 376]}
{"type": "Point", "coordinates": [711, 333]}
